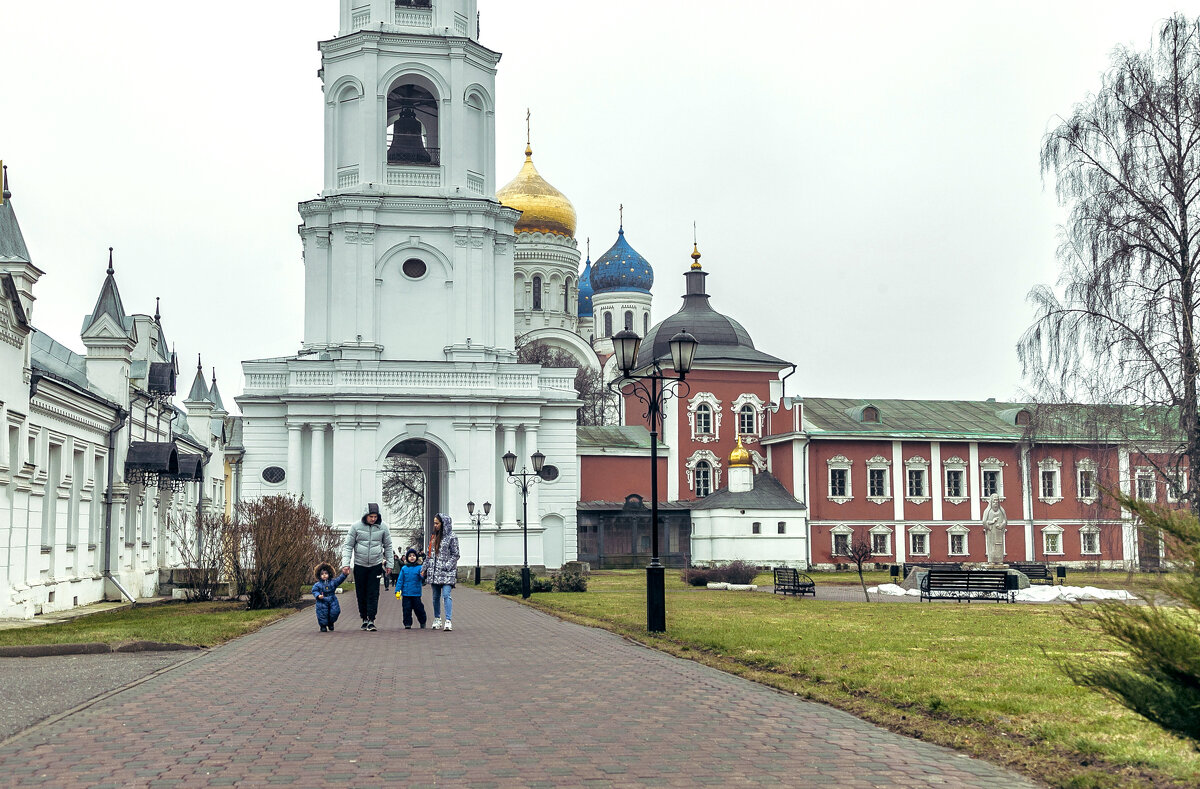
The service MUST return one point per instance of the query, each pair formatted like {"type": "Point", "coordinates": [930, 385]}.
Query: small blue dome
{"type": "Point", "coordinates": [585, 290]}
{"type": "Point", "coordinates": [621, 268]}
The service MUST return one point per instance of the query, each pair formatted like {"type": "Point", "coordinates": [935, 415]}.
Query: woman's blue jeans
{"type": "Point", "coordinates": [440, 592]}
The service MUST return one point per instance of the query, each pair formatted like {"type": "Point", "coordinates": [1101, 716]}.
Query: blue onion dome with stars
{"type": "Point", "coordinates": [585, 290]}
{"type": "Point", "coordinates": [621, 268]}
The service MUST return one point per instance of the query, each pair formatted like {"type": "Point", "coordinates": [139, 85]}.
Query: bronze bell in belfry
{"type": "Point", "coordinates": [407, 145]}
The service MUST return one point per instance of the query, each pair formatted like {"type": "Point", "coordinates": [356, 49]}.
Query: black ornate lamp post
{"type": "Point", "coordinates": [653, 387]}
{"type": "Point", "coordinates": [524, 479]}
{"type": "Point", "coordinates": [478, 521]}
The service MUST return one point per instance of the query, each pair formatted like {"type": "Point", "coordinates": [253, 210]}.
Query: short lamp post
{"type": "Point", "coordinates": [653, 387]}
{"type": "Point", "coordinates": [523, 480]}
{"type": "Point", "coordinates": [478, 521]}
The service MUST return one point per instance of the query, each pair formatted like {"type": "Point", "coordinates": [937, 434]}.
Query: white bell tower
{"type": "Point", "coordinates": [407, 255]}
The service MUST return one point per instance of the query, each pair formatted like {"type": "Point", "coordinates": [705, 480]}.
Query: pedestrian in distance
{"type": "Point", "coordinates": [409, 588]}
{"type": "Point", "coordinates": [325, 593]}
{"type": "Point", "coordinates": [441, 568]}
{"type": "Point", "coordinates": [389, 579]}
{"type": "Point", "coordinates": [368, 549]}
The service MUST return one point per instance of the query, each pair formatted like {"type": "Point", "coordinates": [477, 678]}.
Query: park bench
{"type": "Point", "coordinates": [789, 580]}
{"type": "Point", "coordinates": [1038, 573]}
{"type": "Point", "coordinates": [941, 583]}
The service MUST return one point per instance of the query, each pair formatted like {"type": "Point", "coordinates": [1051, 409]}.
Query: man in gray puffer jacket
{"type": "Point", "coordinates": [368, 548]}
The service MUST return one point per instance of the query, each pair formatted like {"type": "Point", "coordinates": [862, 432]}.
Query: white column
{"type": "Point", "coordinates": [316, 484]}
{"type": "Point", "coordinates": [935, 478]}
{"type": "Point", "coordinates": [531, 446]}
{"type": "Point", "coordinates": [976, 479]}
{"type": "Point", "coordinates": [1026, 505]}
{"type": "Point", "coordinates": [295, 478]}
{"type": "Point", "coordinates": [511, 509]}
{"type": "Point", "coordinates": [898, 481]}
{"type": "Point", "coordinates": [1129, 534]}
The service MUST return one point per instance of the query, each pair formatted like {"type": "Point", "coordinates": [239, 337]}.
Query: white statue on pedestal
{"type": "Point", "coordinates": [995, 523]}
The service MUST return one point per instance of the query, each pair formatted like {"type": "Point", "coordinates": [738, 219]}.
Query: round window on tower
{"type": "Point", "coordinates": [273, 475]}
{"type": "Point", "coordinates": [414, 268]}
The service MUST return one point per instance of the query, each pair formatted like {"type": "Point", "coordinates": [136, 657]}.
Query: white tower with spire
{"type": "Point", "coordinates": [408, 283]}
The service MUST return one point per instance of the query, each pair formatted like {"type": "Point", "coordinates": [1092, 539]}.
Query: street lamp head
{"type": "Point", "coordinates": [626, 345]}
{"type": "Point", "coordinates": [510, 462]}
{"type": "Point", "coordinates": [487, 508]}
{"type": "Point", "coordinates": [683, 352]}
{"type": "Point", "coordinates": [470, 508]}
{"type": "Point", "coordinates": [539, 460]}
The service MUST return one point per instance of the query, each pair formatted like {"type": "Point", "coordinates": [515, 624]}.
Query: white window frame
{"type": "Point", "coordinates": [880, 463]}
{"type": "Point", "coordinates": [954, 464]}
{"type": "Point", "coordinates": [1085, 531]}
{"type": "Point", "coordinates": [709, 399]}
{"type": "Point", "coordinates": [924, 533]}
{"type": "Point", "coordinates": [996, 465]}
{"type": "Point", "coordinates": [841, 530]}
{"type": "Point", "coordinates": [916, 463]}
{"type": "Point", "coordinates": [1052, 531]}
{"type": "Point", "coordinates": [703, 470]}
{"type": "Point", "coordinates": [885, 532]}
{"type": "Point", "coordinates": [1087, 466]}
{"type": "Point", "coordinates": [759, 406]}
{"type": "Point", "coordinates": [839, 463]}
{"type": "Point", "coordinates": [1145, 472]}
{"type": "Point", "coordinates": [958, 530]}
{"type": "Point", "coordinates": [1048, 466]}
{"type": "Point", "coordinates": [714, 463]}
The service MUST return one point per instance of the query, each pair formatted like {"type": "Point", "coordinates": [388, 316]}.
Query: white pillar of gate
{"type": "Point", "coordinates": [295, 475]}
{"type": "Point", "coordinates": [512, 508]}
{"type": "Point", "coordinates": [316, 484]}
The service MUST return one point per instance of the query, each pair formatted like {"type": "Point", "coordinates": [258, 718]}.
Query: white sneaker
{"type": "Point", "coordinates": [437, 624]}
{"type": "Point", "coordinates": [447, 627]}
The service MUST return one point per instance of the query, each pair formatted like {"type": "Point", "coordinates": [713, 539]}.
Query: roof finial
{"type": "Point", "coordinates": [199, 367]}
{"type": "Point", "coordinates": [214, 378]}
{"type": "Point", "coordinates": [528, 137]}
{"type": "Point", "coordinates": [157, 315]}
{"type": "Point", "coordinates": [6, 193]}
{"type": "Point", "coordinates": [110, 267]}
{"type": "Point", "coordinates": [589, 248]}
{"type": "Point", "coordinates": [621, 209]}
{"type": "Point", "coordinates": [695, 250]}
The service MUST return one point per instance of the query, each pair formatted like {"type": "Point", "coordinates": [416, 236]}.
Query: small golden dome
{"type": "Point", "coordinates": [695, 258]}
{"type": "Point", "coordinates": [543, 208]}
{"type": "Point", "coordinates": [739, 457]}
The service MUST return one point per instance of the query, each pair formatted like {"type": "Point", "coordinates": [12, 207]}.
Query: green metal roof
{"type": "Point", "coordinates": [614, 437]}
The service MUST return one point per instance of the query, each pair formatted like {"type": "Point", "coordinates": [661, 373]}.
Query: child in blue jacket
{"type": "Point", "coordinates": [408, 589]}
{"type": "Point", "coordinates": [325, 593]}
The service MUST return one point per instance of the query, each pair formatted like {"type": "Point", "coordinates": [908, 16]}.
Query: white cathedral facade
{"type": "Point", "coordinates": [409, 327]}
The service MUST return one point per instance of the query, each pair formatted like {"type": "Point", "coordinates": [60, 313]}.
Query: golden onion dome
{"type": "Point", "coordinates": [543, 208]}
{"type": "Point", "coordinates": [739, 457]}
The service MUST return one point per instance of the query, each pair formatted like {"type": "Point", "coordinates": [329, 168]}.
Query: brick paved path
{"type": "Point", "coordinates": [522, 700]}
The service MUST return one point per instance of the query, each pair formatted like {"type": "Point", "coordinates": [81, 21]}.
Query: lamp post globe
{"type": "Point", "coordinates": [626, 344]}
{"type": "Point", "coordinates": [683, 352]}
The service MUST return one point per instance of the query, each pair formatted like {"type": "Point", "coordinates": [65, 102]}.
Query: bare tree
{"type": "Point", "coordinates": [278, 541]}
{"type": "Point", "coordinates": [1121, 329]}
{"type": "Point", "coordinates": [860, 553]}
{"type": "Point", "coordinates": [202, 544]}
{"type": "Point", "coordinates": [599, 402]}
{"type": "Point", "coordinates": [404, 495]}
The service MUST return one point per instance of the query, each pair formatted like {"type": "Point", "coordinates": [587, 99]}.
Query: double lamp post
{"type": "Point", "coordinates": [653, 387]}
{"type": "Point", "coordinates": [524, 480]}
{"type": "Point", "coordinates": [478, 521]}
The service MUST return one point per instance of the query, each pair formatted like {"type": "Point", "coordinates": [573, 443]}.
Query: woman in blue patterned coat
{"type": "Point", "coordinates": [441, 568]}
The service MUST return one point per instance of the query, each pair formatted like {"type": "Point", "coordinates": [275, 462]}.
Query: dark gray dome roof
{"type": "Point", "coordinates": [721, 338]}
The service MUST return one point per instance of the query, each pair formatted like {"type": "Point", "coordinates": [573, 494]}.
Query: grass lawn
{"type": "Point", "coordinates": [981, 678]}
{"type": "Point", "coordinates": [197, 624]}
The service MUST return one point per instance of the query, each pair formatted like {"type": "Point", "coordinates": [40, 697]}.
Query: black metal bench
{"type": "Point", "coordinates": [943, 583]}
{"type": "Point", "coordinates": [789, 580]}
{"type": "Point", "coordinates": [1038, 573]}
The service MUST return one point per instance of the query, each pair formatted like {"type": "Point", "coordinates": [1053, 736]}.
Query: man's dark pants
{"type": "Point", "coordinates": [412, 604]}
{"type": "Point", "coordinates": [366, 589]}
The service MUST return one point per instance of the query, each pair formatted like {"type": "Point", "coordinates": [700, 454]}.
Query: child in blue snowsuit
{"type": "Point", "coordinates": [408, 588]}
{"type": "Point", "coordinates": [325, 593]}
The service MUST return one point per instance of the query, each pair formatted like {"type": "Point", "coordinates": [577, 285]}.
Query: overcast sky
{"type": "Point", "coordinates": [864, 179]}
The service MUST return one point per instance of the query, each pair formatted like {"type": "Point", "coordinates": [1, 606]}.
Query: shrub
{"type": "Point", "coordinates": [570, 581]}
{"type": "Point", "coordinates": [202, 545]}
{"type": "Point", "coordinates": [540, 584]}
{"type": "Point", "coordinates": [738, 572]}
{"type": "Point", "coordinates": [695, 576]}
{"type": "Point", "coordinates": [276, 541]}
{"type": "Point", "coordinates": [508, 581]}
